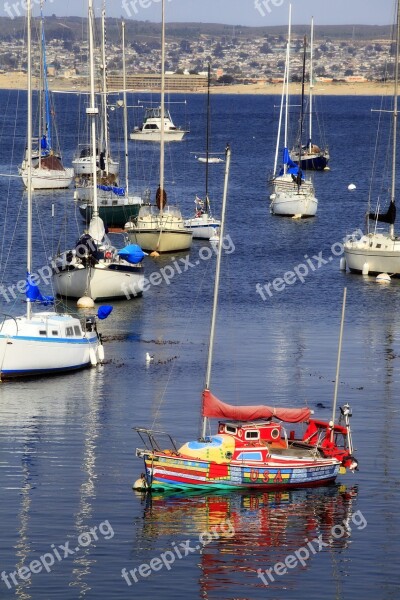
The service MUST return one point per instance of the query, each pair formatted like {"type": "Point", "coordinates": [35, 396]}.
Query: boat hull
{"type": "Point", "coordinates": [312, 162]}
{"type": "Point", "coordinates": [375, 253]}
{"type": "Point", "coordinates": [114, 216]}
{"type": "Point", "coordinates": [177, 472]}
{"type": "Point", "coordinates": [162, 241]}
{"type": "Point", "coordinates": [25, 354]}
{"type": "Point", "coordinates": [290, 205]}
{"type": "Point", "coordinates": [49, 179]}
{"type": "Point", "coordinates": [202, 228]}
{"type": "Point", "coordinates": [84, 166]}
{"type": "Point", "coordinates": [155, 136]}
{"type": "Point", "coordinates": [99, 283]}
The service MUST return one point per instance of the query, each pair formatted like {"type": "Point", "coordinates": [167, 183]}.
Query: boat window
{"type": "Point", "coordinates": [252, 435]}
{"type": "Point", "coordinates": [77, 330]}
{"type": "Point", "coordinates": [69, 331]}
{"type": "Point", "coordinates": [42, 332]}
{"type": "Point", "coordinates": [249, 456]}
{"type": "Point", "coordinates": [230, 429]}
{"type": "Point", "coordinates": [379, 245]}
{"type": "Point", "coordinates": [54, 332]}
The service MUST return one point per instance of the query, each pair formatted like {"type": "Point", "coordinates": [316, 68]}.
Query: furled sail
{"type": "Point", "coordinates": [213, 407]}
{"type": "Point", "coordinates": [388, 217]}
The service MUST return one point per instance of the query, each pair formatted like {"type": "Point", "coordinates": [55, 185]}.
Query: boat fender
{"type": "Point", "coordinates": [92, 356]}
{"type": "Point", "coordinates": [100, 353]}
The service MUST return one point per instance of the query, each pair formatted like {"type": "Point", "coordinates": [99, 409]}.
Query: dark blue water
{"type": "Point", "coordinates": [67, 449]}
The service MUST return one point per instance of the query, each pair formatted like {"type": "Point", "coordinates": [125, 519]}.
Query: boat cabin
{"type": "Point", "coordinates": [255, 433]}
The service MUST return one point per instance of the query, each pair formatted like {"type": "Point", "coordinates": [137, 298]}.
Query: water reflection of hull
{"type": "Point", "coordinates": [256, 530]}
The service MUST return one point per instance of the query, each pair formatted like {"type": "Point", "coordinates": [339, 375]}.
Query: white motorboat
{"type": "Point", "coordinates": [150, 129]}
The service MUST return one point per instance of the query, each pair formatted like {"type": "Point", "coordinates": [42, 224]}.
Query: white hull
{"type": "Point", "coordinates": [49, 179]}
{"type": "Point", "coordinates": [291, 204]}
{"type": "Point", "coordinates": [155, 136]}
{"type": "Point", "coordinates": [39, 345]}
{"type": "Point", "coordinates": [83, 166]}
{"type": "Point", "coordinates": [99, 282]}
{"type": "Point", "coordinates": [210, 161]}
{"type": "Point", "coordinates": [161, 240]}
{"type": "Point", "coordinates": [202, 228]}
{"type": "Point", "coordinates": [373, 253]}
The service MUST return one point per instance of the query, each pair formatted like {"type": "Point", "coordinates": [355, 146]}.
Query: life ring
{"type": "Point", "coordinates": [275, 433]}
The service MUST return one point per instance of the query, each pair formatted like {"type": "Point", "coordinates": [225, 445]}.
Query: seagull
{"type": "Point", "coordinates": [149, 357]}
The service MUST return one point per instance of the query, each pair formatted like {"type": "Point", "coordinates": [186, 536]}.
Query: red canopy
{"type": "Point", "coordinates": [212, 407]}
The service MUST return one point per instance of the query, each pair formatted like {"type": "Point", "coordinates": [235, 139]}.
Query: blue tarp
{"type": "Point", "coordinates": [104, 311]}
{"type": "Point", "coordinates": [34, 295]}
{"type": "Point", "coordinates": [118, 191]}
{"type": "Point", "coordinates": [132, 253]}
{"type": "Point", "coordinates": [293, 169]}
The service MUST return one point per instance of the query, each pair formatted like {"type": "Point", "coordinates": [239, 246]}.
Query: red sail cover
{"type": "Point", "coordinates": [212, 407]}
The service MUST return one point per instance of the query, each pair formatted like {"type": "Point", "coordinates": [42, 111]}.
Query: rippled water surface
{"type": "Point", "coordinates": [67, 449]}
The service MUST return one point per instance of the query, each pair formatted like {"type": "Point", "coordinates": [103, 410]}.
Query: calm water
{"type": "Point", "coordinates": [67, 449]}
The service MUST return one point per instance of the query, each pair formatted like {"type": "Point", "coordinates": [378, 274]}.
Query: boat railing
{"type": "Point", "coordinates": [152, 440]}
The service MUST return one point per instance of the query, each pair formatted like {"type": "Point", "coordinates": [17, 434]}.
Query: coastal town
{"type": "Point", "coordinates": [236, 58]}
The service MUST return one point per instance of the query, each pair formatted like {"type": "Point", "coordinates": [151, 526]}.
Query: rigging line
{"type": "Point", "coordinates": [188, 325]}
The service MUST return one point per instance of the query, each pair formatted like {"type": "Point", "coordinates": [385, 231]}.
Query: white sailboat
{"type": "Point", "coordinates": [292, 195]}
{"type": "Point", "coordinates": [312, 156]}
{"type": "Point", "coordinates": [160, 228]}
{"type": "Point", "coordinates": [203, 224]}
{"type": "Point", "coordinates": [94, 267]}
{"type": "Point", "coordinates": [107, 166]}
{"type": "Point", "coordinates": [48, 171]}
{"type": "Point", "coordinates": [376, 251]}
{"type": "Point", "coordinates": [43, 342]}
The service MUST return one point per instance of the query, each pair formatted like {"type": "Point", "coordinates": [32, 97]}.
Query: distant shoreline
{"type": "Point", "coordinates": [13, 81]}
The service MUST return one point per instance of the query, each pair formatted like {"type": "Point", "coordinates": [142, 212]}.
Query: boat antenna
{"type": "Point", "coordinates": [338, 365]}
{"type": "Point", "coordinates": [216, 286]}
{"type": "Point", "coordinates": [207, 203]}
{"type": "Point", "coordinates": [302, 110]}
{"type": "Point", "coordinates": [29, 154]}
{"type": "Point", "coordinates": [395, 115]}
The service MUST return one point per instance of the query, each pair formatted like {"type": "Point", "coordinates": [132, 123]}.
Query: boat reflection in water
{"type": "Point", "coordinates": [245, 533]}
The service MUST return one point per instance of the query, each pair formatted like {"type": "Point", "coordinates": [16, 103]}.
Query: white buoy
{"type": "Point", "coordinates": [342, 264]}
{"type": "Point", "coordinates": [351, 186]}
{"type": "Point", "coordinates": [85, 302]}
{"type": "Point", "coordinates": [149, 358]}
{"type": "Point", "coordinates": [141, 484]}
{"type": "Point", "coordinates": [365, 269]}
{"type": "Point", "coordinates": [298, 216]}
{"type": "Point", "coordinates": [92, 356]}
{"type": "Point", "coordinates": [383, 278]}
{"type": "Point", "coordinates": [272, 197]}
{"type": "Point", "coordinates": [100, 353]}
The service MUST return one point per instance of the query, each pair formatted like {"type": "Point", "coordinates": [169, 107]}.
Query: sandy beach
{"type": "Point", "coordinates": [18, 81]}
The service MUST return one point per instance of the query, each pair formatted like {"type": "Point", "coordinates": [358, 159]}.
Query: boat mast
{"type": "Point", "coordinates": [396, 86]}
{"type": "Point", "coordinates": [104, 127]}
{"type": "Point", "coordinates": [125, 112]}
{"type": "Point", "coordinates": [302, 105]}
{"type": "Point", "coordinates": [162, 111]}
{"type": "Point", "coordinates": [338, 363]}
{"type": "Point", "coordinates": [92, 111]}
{"type": "Point", "coordinates": [207, 135]}
{"type": "Point", "coordinates": [287, 85]}
{"type": "Point", "coordinates": [311, 85]}
{"type": "Point", "coordinates": [216, 287]}
{"type": "Point", "coordinates": [29, 154]}
{"type": "Point", "coordinates": [278, 138]}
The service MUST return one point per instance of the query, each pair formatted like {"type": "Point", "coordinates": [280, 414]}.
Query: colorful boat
{"type": "Point", "coordinates": [252, 448]}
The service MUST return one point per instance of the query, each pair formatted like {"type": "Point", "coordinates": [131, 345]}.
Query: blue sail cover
{"type": "Point", "coordinates": [132, 253]}
{"type": "Point", "coordinates": [293, 168]}
{"type": "Point", "coordinates": [34, 295]}
{"type": "Point", "coordinates": [118, 191]}
{"type": "Point", "coordinates": [104, 311]}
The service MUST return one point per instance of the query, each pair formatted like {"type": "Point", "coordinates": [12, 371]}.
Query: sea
{"type": "Point", "coordinates": [71, 525]}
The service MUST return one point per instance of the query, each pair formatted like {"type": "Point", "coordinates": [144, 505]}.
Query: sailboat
{"type": "Point", "coordinates": [292, 194]}
{"type": "Point", "coordinates": [203, 224]}
{"type": "Point", "coordinates": [48, 171]}
{"type": "Point", "coordinates": [251, 447]}
{"type": "Point", "coordinates": [107, 166]}
{"type": "Point", "coordinates": [379, 252]}
{"type": "Point", "coordinates": [43, 342]}
{"type": "Point", "coordinates": [312, 156]}
{"type": "Point", "coordinates": [115, 204]}
{"type": "Point", "coordinates": [160, 228]}
{"type": "Point", "coordinates": [94, 267]}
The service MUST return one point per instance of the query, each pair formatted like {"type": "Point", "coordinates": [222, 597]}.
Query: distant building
{"type": "Point", "coordinates": [153, 82]}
